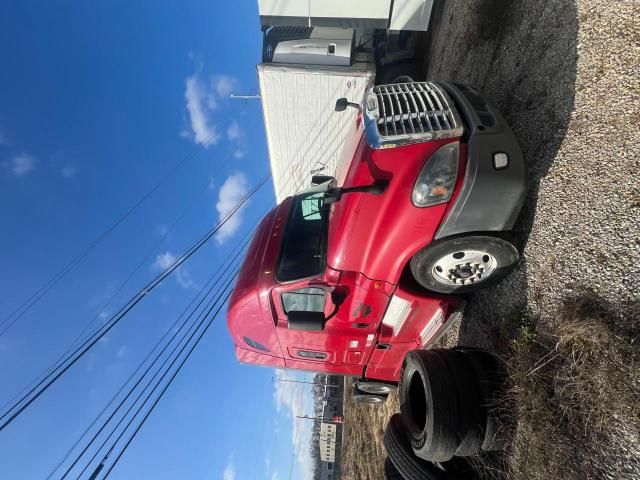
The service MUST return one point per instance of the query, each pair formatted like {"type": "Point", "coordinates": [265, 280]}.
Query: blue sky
{"type": "Point", "coordinates": [98, 100]}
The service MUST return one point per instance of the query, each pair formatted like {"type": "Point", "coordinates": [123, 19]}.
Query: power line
{"type": "Point", "coordinates": [217, 296]}
{"type": "Point", "coordinates": [115, 294]}
{"type": "Point", "coordinates": [101, 466]}
{"type": "Point", "coordinates": [6, 323]}
{"type": "Point", "coordinates": [153, 406]}
{"type": "Point", "coordinates": [16, 409]}
{"type": "Point", "coordinates": [209, 284]}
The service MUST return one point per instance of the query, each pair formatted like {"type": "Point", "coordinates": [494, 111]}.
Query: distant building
{"type": "Point", "coordinates": [328, 436]}
{"type": "Point", "coordinates": [328, 471]}
{"type": "Point", "coordinates": [330, 433]}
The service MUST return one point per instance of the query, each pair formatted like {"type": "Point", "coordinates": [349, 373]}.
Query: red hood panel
{"type": "Point", "coordinates": [376, 234]}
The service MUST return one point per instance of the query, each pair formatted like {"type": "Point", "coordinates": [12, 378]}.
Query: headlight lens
{"type": "Point", "coordinates": [437, 178]}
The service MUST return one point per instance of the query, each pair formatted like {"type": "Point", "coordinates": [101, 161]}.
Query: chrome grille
{"type": "Point", "coordinates": [412, 112]}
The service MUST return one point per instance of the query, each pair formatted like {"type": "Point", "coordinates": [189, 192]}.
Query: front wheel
{"type": "Point", "coordinates": [463, 264]}
{"type": "Point", "coordinates": [399, 73]}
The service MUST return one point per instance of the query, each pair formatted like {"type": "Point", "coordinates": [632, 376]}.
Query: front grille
{"type": "Point", "coordinates": [414, 109]}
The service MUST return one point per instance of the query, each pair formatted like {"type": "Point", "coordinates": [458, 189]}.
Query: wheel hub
{"type": "Point", "coordinates": [465, 267]}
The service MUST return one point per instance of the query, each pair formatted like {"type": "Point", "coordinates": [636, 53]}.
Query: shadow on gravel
{"type": "Point", "coordinates": [523, 57]}
{"type": "Point", "coordinates": [573, 403]}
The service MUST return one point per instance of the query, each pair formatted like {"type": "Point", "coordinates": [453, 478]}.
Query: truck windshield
{"type": "Point", "coordinates": [305, 238]}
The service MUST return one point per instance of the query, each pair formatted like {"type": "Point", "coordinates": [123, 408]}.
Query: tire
{"type": "Point", "coordinates": [390, 471]}
{"type": "Point", "coordinates": [459, 469]}
{"type": "Point", "coordinates": [399, 451]}
{"type": "Point", "coordinates": [399, 73]}
{"type": "Point", "coordinates": [360, 396]}
{"type": "Point", "coordinates": [491, 374]}
{"type": "Point", "coordinates": [472, 414]}
{"type": "Point", "coordinates": [441, 266]}
{"type": "Point", "coordinates": [429, 406]}
{"type": "Point", "coordinates": [376, 388]}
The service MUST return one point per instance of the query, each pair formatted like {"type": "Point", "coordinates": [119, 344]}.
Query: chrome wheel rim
{"type": "Point", "coordinates": [369, 399]}
{"type": "Point", "coordinates": [464, 267]}
{"type": "Point", "coordinates": [375, 388]}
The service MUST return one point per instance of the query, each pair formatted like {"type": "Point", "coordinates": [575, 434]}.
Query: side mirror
{"type": "Point", "coordinates": [303, 320]}
{"type": "Point", "coordinates": [320, 179]}
{"type": "Point", "coordinates": [343, 103]}
{"type": "Point", "coordinates": [376, 188]}
{"type": "Point", "coordinates": [338, 297]}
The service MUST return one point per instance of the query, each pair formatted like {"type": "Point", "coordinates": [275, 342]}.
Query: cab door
{"type": "Point", "coordinates": [353, 311]}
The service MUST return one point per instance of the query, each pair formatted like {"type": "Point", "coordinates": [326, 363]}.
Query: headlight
{"type": "Point", "coordinates": [437, 178]}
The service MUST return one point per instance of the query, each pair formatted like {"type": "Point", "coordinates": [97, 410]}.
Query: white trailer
{"type": "Point", "coordinates": [392, 15]}
{"type": "Point", "coordinates": [305, 135]}
{"type": "Point", "coordinates": [316, 52]}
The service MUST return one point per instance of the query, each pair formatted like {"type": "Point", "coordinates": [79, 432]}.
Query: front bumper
{"type": "Point", "coordinates": [490, 199]}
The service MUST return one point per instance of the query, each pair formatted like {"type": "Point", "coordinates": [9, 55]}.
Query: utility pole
{"type": "Point", "coordinates": [319, 418]}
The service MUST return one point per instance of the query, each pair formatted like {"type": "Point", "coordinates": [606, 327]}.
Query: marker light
{"type": "Point", "coordinates": [500, 160]}
{"type": "Point", "coordinates": [437, 178]}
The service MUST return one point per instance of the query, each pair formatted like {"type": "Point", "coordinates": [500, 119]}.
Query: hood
{"type": "Point", "coordinates": [377, 234]}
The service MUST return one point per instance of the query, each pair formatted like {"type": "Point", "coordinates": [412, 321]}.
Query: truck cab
{"type": "Point", "coordinates": [348, 276]}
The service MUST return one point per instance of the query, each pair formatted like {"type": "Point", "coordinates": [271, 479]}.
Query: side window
{"type": "Point", "coordinates": [311, 206]}
{"type": "Point", "coordinates": [306, 299]}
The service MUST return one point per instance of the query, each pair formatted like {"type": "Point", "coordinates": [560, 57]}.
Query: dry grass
{"type": "Point", "coordinates": [574, 400]}
{"type": "Point", "coordinates": [363, 452]}
{"type": "Point", "coordinates": [571, 407]}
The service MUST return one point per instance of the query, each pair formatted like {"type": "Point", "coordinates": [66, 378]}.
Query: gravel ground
{"type": "Point", "coordinates": [566, 75]}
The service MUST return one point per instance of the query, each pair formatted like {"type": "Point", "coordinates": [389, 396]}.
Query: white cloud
{"type": "Point", "coordinates": [21, 165]}
{"type": "Point", "coordinates": [165, 260]}
{"type": "Point", "coordinates": [238, 139]}
{"type": "Point", "coordinates": [69, 171]}
{"type": "Point", "coordinates": [223, 85]}
{"type": "Point", "coordinates": [230, 470]}
{"type": "Point", "coordinates": [202, 99]}
{"type": "Point", "coordinates": [231, 192]}
{"type": "Point", "coordinates": [200, 105]}
{"type": "Point", "coordinates": [184, 279]}
{"type": "Point", "coordinates": [275, 476]}
{"type": "Point", "coordinates": [122, 351]}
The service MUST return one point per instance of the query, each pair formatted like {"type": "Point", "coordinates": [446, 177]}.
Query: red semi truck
{"type": "Point", "coordinates": [353, 273]}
